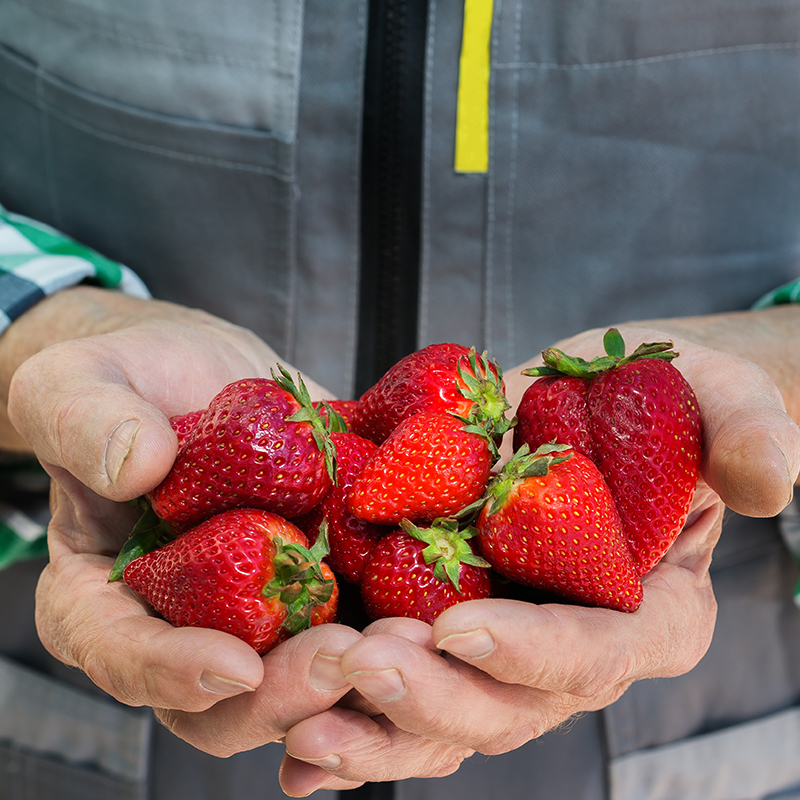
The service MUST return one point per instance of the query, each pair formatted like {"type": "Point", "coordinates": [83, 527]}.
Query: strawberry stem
{"type": "Point", "coordinates": [446, 546]}
{"type": "Point", "coordinates": [522, 465]}
{"type": "Point", "coordinates": [299, 581]}
{"type": "Point", "coordinates": [556, 362]}
{"type": "Point", "coordinates": [148, 534]}
{"type": "Point", "coordinates": [483, 384]}
{"type": "Point", "coordinates": [320, 425]}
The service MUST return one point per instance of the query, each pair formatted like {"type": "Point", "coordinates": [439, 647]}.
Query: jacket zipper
{"type": "Point", "coordinates": [391, 186]}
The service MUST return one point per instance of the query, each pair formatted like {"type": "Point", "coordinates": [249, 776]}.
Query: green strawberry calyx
{"type": "Point", "coordinates": [299, 582]}
{"type": "Point", "coordinates": [556, 362]}
{"type": "Point", "coordinates": [522, 465]}
{"type": "Point", "coordinates": [322, 422]}
{"type": "Point", "coordinates": [148, 534]}
{"type": "Point", "coordinates": [447, 547]}
{"type": "Point", "coordinates": [483, 385]}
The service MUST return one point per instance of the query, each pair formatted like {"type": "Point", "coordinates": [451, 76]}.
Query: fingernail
{"type": "Point", "coordinates": [472, 644]}
{"type": "Point", "coordinates": [326, 673]}
{"type": "Point", "coordinates": [120, 444]}
{"type": "Point", "coordinates": [381, 686]}
{"type": "Point", "coordinates": [331, 761]}
{"type": "Point", "coordinates": [216, 684]}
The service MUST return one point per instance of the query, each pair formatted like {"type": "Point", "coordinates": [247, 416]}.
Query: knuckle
{"type": "Point", "coordinates": [187, 727]}
{"type": "Point", "coordinates": [449, 760]}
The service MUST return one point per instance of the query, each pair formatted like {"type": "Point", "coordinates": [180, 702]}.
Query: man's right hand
{"type": "Point", "coordinates": [100, 376]}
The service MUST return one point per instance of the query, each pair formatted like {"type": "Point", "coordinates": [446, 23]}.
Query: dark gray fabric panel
{"type": "Point", "coordinates": [231, 63]}
{"type": "Point", "coordinates": [644, 162]}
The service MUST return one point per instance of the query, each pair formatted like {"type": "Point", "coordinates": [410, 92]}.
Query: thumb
{"type": "Point", "coordinates": [753, 460]}
{"type": "Point", "coordinates": [78, 411]}
{"type": "Point", "coordinates": [752, 446]}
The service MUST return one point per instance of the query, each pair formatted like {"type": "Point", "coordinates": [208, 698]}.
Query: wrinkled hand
{"type": "Point", "coordinates": [507, 672]}
{"type": "Point", "coordinates": [95, 410]}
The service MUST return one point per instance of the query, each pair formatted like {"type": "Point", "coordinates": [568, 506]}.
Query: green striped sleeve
{"type": "Point", "coordinates": [788, 293]}
{"type": "Point", "coordinates": [36, 261]}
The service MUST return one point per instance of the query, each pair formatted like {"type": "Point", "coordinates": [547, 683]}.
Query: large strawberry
{"type": "Point", "coordinates": [419, 572]}
{"type": "Point", "coordinates": [351, 539]}
{"type": "Point", "coordinates": [549, 521]}
{"type": "Point", "coordinates": [431, 466]}
{"type": "Point", "coordinates": [637, 418]}
{"type": "Point", "coordinates": [446, 378]}
{"type": "Point", "coordinates": [245, 572]}
{"type": "Point", "coordinates": [259, 444]}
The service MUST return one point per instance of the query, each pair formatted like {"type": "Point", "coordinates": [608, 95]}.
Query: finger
{"type": "Point", "coordinates": [301, 778]}
{"type": "Point", "coordinates": [99, 406]}
{"type": "Point", "coordinates": [109, 633]}
{"type": "Point", "coordinates": [751, 445]}
{"type": "Point", "coordinates": [414, 630]}
{"type": "Point", "coordinates": [753, 460]}
{"type": "Point", "coordinates": [449, 701]}
{"type": "Point", "coordinates": [301, 678]}
{"type": "Point", "coordinates": [582, 651]}
{"type": "Point", "coordinates": [521, 669]}
{"type": "Point", "coordinates": [77, 409]}
{"type": "Point", "coordinates": [354, 748]}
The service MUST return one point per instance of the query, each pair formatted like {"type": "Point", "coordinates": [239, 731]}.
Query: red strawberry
{"type": "Point", "coordinates": [246, 572]}
{"type": "Point", "coordinates": [259, 444]}
{"type": "Point", "coordinates": [637, 418]}
{"type": "Point", "coordinates": [351, 539]}
{"type": "Point", "coordinates": [419, 572]}
{"type": "Point", "coordinates": [446, 378]}
{"type": "Point", "coordinates": [554, 409]}
{"type": "Point", "coordinates": [431, 466]}
{"type": "Point", "coordinates": [550, 522]}
{"type": "Point", "coordinates": [184, 424]}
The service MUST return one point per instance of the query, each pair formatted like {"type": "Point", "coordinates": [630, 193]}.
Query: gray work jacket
{"type": "Point", "coordinates": [644, 161]}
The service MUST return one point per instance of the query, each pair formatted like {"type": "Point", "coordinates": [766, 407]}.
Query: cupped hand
{"type": "Point", "coordinates": [491, 675]}
{"type": "Point", "coordinates": [93, 403]}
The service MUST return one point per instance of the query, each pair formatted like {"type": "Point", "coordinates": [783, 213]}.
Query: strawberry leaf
{"type": "Point", "coordinates": [148, 534]}
{"type": "Point", "coordinates": [614, 344]}
{"type": "Point", "coordinates": [310, 414]}
{"type": "Point", "coordinates": [483, 384]}
{"type": "Point", "coordinates": [447, 548]}
{"type": "Point", "coordinates": [522, 465]}
{"type": "Point", "coordinates": [299, 582]}
{"type": "Point", "coordinates": [556, 362]}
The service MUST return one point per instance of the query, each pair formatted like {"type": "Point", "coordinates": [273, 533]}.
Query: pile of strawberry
{"type": "Point", "coordinates": [272, 497]}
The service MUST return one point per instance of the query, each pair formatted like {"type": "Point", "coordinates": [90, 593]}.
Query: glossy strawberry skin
{"type": "Point", "coordinates": [398, 583]}
{"type": "Point", "coordinates": [554, 409]}
{"type": "Point", "coordinates": [184, 425]}
{"type": "Point", "coordinates": [426, 380]}
{"type": "Point", "coordinates": [244, 452]}
{"type": "Point", "coordinates": [429, 467]}
{"type": "Point", "coordinates": [350, 539]}
{"type": "Point", "coordinates": [561, 533]}
{"type": "Point", "coordinates": [647, 429]}
{"type": "Point", "coordinates": [213, 576]}
{"type": "Point", "coordinates": [640, 424]}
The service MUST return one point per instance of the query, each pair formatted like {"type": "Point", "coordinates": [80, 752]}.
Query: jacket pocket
{"type": "Point", "coordinates": [57, 741]}
{"type": "Point", "coordinates": [203, 212]}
